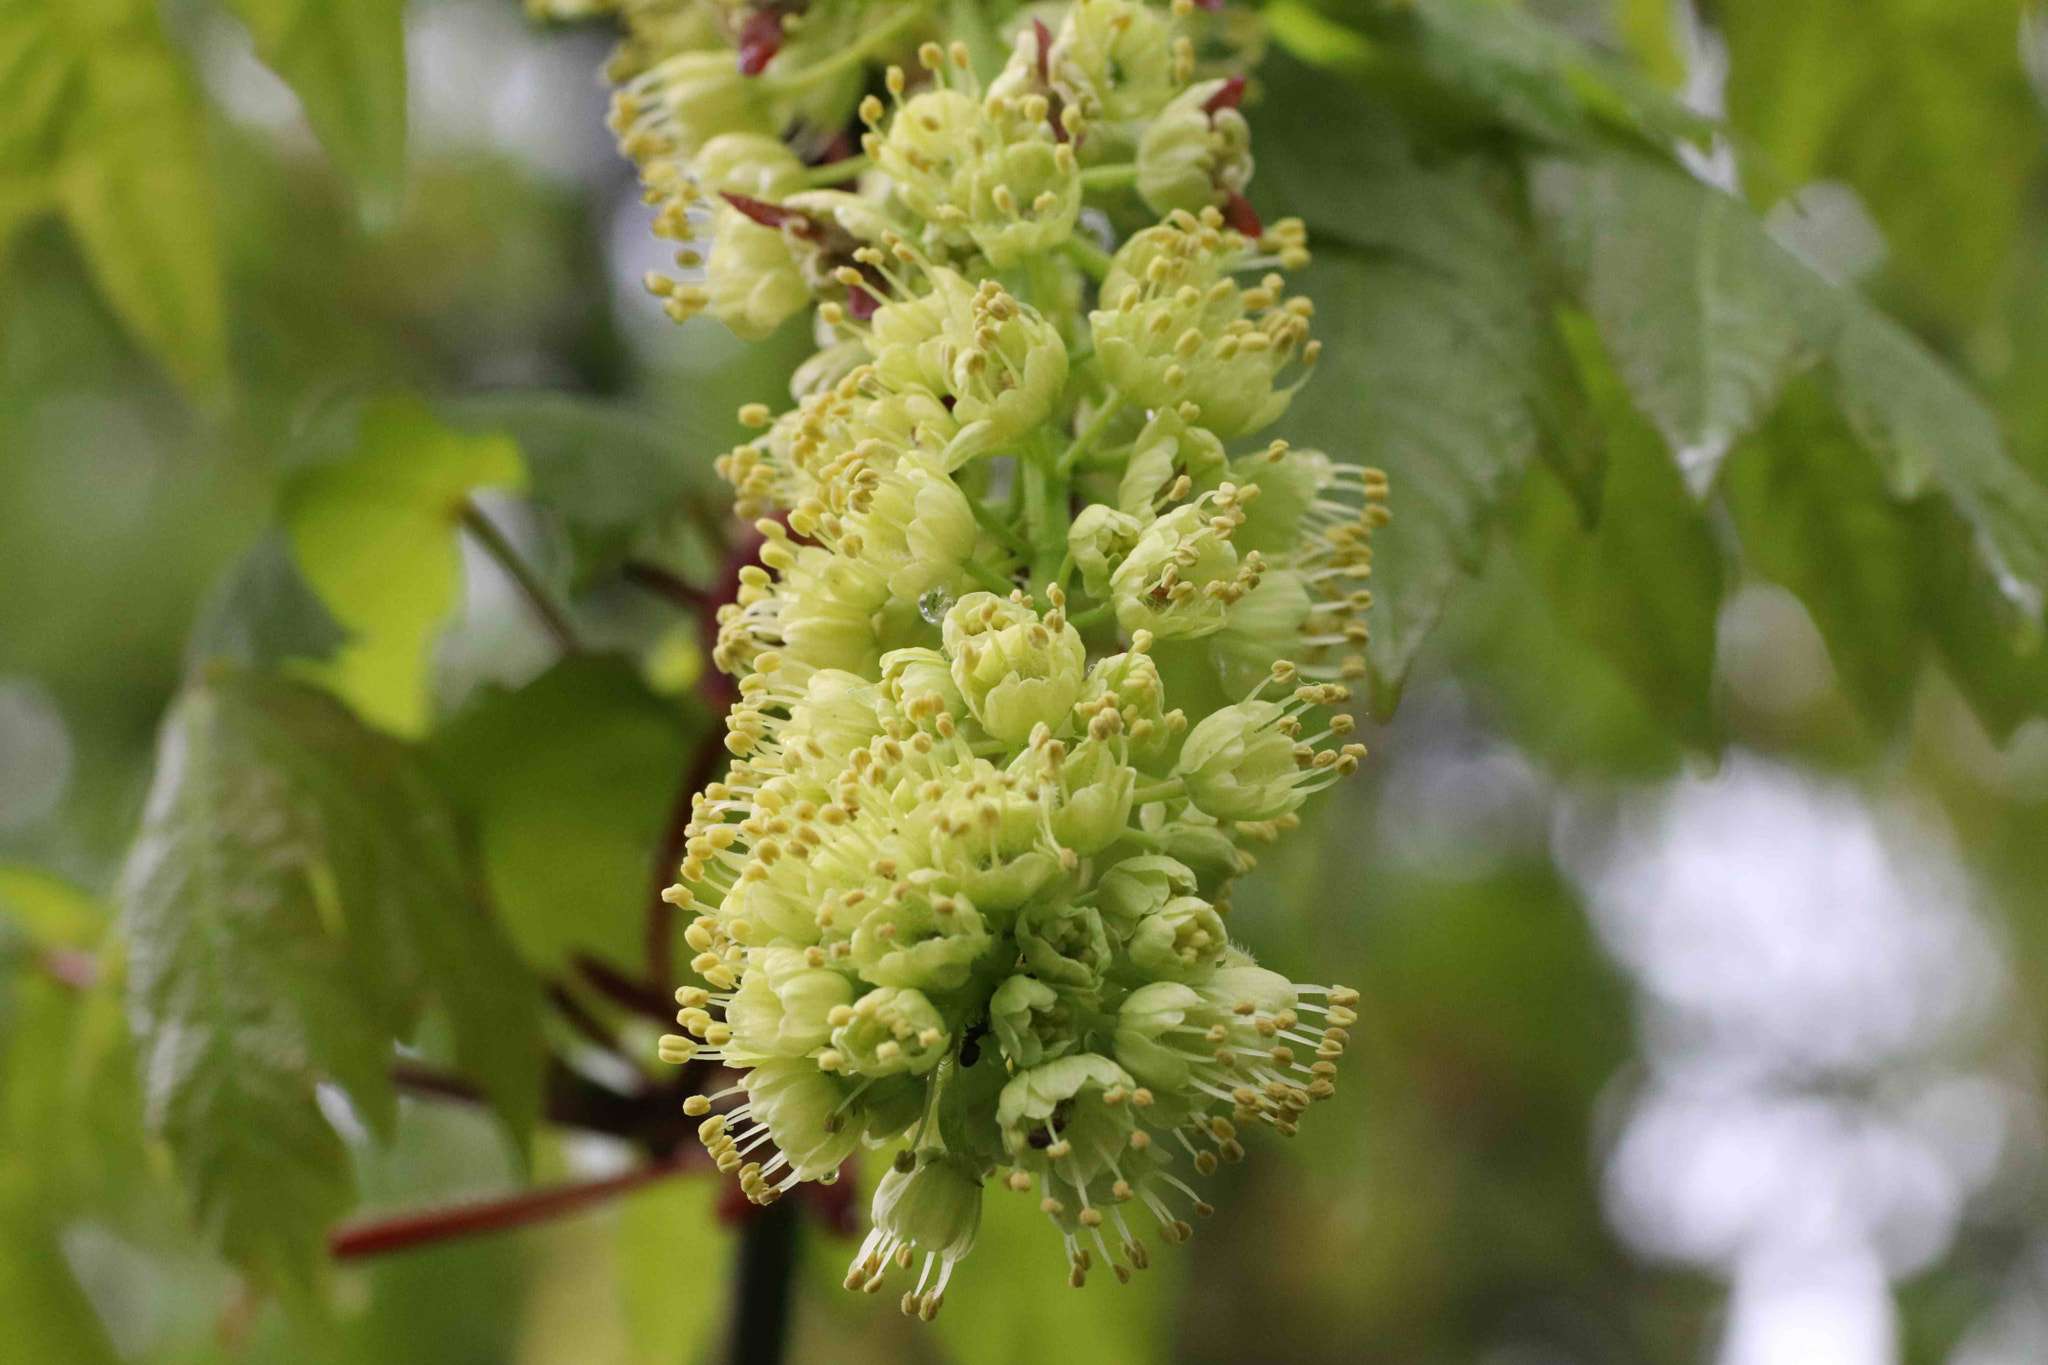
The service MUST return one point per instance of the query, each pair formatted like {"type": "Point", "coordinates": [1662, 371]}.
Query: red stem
{"type": "Point", "coordinates": [490, 1215]}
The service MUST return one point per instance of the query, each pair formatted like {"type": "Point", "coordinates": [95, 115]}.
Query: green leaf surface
{"type": "Point", "coordinates": [374, 533]}
{"type": "Point", "coordinates": [50, 911]}
{"type": "Point", "coordinates": [1523, 73]}
{"type": "Point", "coordinates": [262, 612]}
{"type": "Point", "coordinates": [294, 883]}
{"type": "Point", "coordinates": [675, 1263]}
{"type": "Point", "coordinates": [1923, 107]}
{"type": "Point", "coordinates": [1367, 191]}
{"type": "Point", "coordinates": [607, 469]}
{"type": "Point", "coordinates": [1928, 430]}
{"type": "Point", "coordinates": [569, 782]}
{"type": "Point", "coordinates": [1813, 515]}
{"type": "Point", "coordinates": [1430, 383]}
{"type": "Point", "coordinates": [99, 120]}
{"type": "Point", "coordinates": [44, 1316]}
{"type": "Point", "coordinates": [1642, 589]}
{"type": "Point", "coordinates": [1010, 1304]}
{"type": "Point", "coordinates": [1705, 315]}
{"type": "Point", "coordinates": [346, 62]}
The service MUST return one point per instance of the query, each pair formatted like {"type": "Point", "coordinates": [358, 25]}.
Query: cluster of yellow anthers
{"type": "Point", "coordinates": [1031, 656]}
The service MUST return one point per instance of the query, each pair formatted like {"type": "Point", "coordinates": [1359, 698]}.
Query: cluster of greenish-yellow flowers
{"type": "Point", "coordinates": [1043, 637]}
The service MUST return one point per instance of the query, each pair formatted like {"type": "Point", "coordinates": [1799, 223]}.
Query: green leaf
{"type": "Point", "coordinates": [1367, 191]}
{"type": "Point", "coordinates": [1999, 666]}
{"type": "Point", "coordinates": [1706, 317]}
{"type": "Point", "coordinates": [1927, 429]}
{"type": "Point", "coordinates": [1010, 1304]}
{"type": "Point", "coordinates": [1813, 516]}
{"type": "Point", "coordinates": [44, 1316]}
{"type": "Point", "coordinates": [569, 782]}
{"type": "Point", "coordinates": [375, 535]}
{"type": "Point", "coordinates": [346, 62]}
{"type": "Point", "coordinates": [98, 119]}
{"type": "Point", "coordinates": [674, 1261]}
{"type": "Point", "coordinates": [1643, 589]}
{"type": "Point", "coordinates": [605, 468]}
{"type": "Point", "coordinates": [49, 910]}
{"type": "Point", "coordinates": [1523, 73]}
{"type": "Point", "coordinates": [1924, 109]}
{"type": "Point", "coordinates": [1430, 382]}
{"type": "Point", "coordinates": [262, 612]}
{"type": "Point", "coordinates": [294, 883]}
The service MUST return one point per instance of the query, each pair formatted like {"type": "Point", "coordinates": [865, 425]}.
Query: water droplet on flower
{"type": "Point", "coordinates": [934, 604]}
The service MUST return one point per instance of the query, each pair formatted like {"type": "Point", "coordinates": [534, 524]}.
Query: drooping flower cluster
{"type": "Point", "coordinates": [1041, 638]}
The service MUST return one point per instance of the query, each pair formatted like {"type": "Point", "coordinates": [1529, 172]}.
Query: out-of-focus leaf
{"type": "Point", "coordinates": [674, 1263]}
{"type": "Point", "coordinates": [1813, 515]}
{"type": "Point", "coordinates": [1998, 665]}
{"type": "Point", "coordinates": [1368, 192]}
{"type": "Point", "coordinates": [374, 533]}
{"type": "Point", "coordinates": [49, 910]}
{"type": "Point", "coordinates": [262, 612]}
{"type": "Point", "coordinates": [1428, 382]}
{"type": "Point", "coordinates": [1926, 428]}
{"type": "Point", "coordinates": [98, 119]}
{"type": "Point", "coordinates": [1924, 108]}
{"type": "Point", "coordinates": [44, 1316]}
{"type": "Point", "coordinates": [294, 881]}
{"type": "Point", "coordinates": [569, 781]}
{"type": "Point", "coordinates": [1524, 73]}
{"type": "Point", "coordinates": [346, 62]}
{"type": "Point", "coordinates": [1705, 315]}
{"type": "Point", "coordinates": [1644, 587]}
{"type": "Point", "coordinates": [1024, 1313]}
{"type": "Point", "coordinates": [606, 469]}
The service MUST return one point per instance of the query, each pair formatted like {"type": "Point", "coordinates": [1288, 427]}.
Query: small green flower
{"type": "Point", "coordinates": [922, 932]}
{"type": "Point", "coordinates": [1140, 886]}
{"type": "Point", "coordinates": [1182, 940]}
{"type": "Point", "coordinates": [1197, 153]}
{"type": "Point", "coordinates": [1064, 943]}
{"type": "Point", "coordinates": [783, 1004]}
{"type": "Point", "coordinates": [1032, 1022]}
{"type": "Point", "coordinates": [1070, 1116]}
{"type": "Point", "coordinates": [887, 1032]}
{"type": "Point", "coordinates": [928, 1203]}
{"type": "Point", "coordinates": [1016, 670]}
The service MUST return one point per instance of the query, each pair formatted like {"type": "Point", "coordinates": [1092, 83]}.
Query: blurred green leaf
{"type": "Point", "coordinates": [375, 535]}
{"type": "Point", "coordinates": [98, 118]}
{"type": "Point", "coordinates": [1927, 429]}
{"type": "Point", "coordinates": [1813, 516]}
{"type": "Point", "coordinates": [1429, 382]}
{"type": "Point", "coordinates": [1706, 317]}
{"type": "Point", "coordinates": [1923, 108]}
{"type": "Point", "coordinates": [345, 59]}
{"type": "Point", "coordinates": [49, 910]}
{"type": "Point", "coordinates": [569, 782]}
{"type": "Point", "coordinates": [293, 882]}
{"type": "Point", "coordinates": [44, 1316]}
{"type": "Point", "coordinates": [1644, 587]}
{"type": "Point", "coordinates": [262, 612]}
{"type": "Point", "coordinates": [1368, 191]}
{"type": "Point", "coordinates": [1025, 1314]}
{"type": "Point", "coordinates": [607, 469]}
{"type": "Point", "coordinates": [1524, 73]}
{"type": "Point", "coordinates": [674, 1264]}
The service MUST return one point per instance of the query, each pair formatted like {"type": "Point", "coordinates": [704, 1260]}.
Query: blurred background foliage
{"type": "Point", "coordinates": [1698, 888]}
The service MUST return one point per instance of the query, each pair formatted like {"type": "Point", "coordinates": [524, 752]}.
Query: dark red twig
{"type": "Point", "coordinates": [625, 992]}
{"type": "Point", "coordinates": [491, 1215]}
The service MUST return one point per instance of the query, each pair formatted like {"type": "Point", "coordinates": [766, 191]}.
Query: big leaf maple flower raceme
{"type": "Point", "coordinates": [964, 891]}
